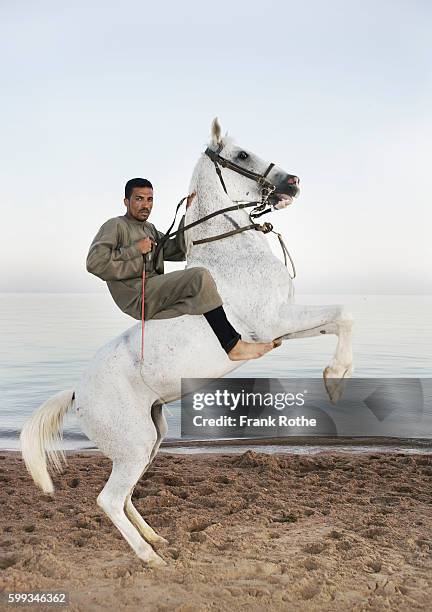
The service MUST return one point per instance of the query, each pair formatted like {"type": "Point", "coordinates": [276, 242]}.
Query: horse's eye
{"type": "Point", "coordinates": [243, 155]}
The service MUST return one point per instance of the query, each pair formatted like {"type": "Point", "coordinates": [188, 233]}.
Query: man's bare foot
{"type": "Point", "coordinates": [251, 350]}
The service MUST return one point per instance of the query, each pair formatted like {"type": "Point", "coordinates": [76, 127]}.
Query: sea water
{"type": "Point", "coordinates": [48, 339]}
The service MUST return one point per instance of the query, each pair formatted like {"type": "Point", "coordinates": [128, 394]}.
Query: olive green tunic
{"type": "Point", "coordinates": [115, 258]}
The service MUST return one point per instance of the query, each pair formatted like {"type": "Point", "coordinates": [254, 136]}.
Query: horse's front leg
{"type": "Point", "coordinates": [309, 321]}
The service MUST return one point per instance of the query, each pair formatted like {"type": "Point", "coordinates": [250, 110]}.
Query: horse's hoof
{"type": "Point", "coordinates": [159, 540]}
{"type": "Point", "coordinates": [156, 561]}
{"type": "Point", "coordinates": [277, 342]}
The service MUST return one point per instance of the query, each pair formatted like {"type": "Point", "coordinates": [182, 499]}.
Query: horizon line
{"type": "Point", "coordinates": [389, 293]}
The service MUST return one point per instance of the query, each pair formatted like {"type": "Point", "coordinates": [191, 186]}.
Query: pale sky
{"type": "Point", "coordinates": [337, 92]}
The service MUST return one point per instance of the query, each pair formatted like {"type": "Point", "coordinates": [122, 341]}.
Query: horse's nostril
{"type": "Point", "coordinates": [293, 180]}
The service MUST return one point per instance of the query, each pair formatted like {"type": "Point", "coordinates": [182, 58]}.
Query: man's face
{"type": "Point", "coordinates": [140, 203]}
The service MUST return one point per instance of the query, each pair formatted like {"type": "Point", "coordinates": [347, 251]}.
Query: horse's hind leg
{"type": "Point", "coordinates": [112, 500]}
{"type": "Point", "coordinates": [134, 516]}
{"type": "Point", "coordinates": [115, 412]}
{"type": "Point", "coordinates": [144, 528]}
{"type": "Point", "coordinates": [161, 426]}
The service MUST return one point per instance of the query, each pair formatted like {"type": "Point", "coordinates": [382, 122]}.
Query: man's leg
{"type": "Point", "coordinates": [190, 291]}
{"type": "Point", "coordinates": [227, 335]}
{"type": "Point", "coordinates": [230, 339]}
{"type": "Point", "coordinates": [193, 291]}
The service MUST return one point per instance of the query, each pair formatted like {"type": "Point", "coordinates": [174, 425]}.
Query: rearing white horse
{"type": "Point", "coordinates": [119, 399]}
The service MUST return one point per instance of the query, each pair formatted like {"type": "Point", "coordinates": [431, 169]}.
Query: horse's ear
{"type": "Point", "coordinates": [215, 131]}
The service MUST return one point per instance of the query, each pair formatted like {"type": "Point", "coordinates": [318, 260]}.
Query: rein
{"type": "Point", "coordinates": [142, 310]}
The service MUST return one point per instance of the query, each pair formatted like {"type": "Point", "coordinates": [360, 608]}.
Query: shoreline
{"type": "Point", "coordinates": [309, 441]}
{"type": "Point", "coordinates": [374, 443]}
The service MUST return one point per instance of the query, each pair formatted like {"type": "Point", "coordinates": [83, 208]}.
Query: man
{"type": "Point", "coordinates": [124, 244]}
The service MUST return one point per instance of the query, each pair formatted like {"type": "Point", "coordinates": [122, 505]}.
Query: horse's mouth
{"type": "Point", "coordinates": [282, 200]}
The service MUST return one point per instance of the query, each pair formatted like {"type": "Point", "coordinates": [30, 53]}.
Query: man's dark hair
{"type": "Point", "coordinates": [136, 182]}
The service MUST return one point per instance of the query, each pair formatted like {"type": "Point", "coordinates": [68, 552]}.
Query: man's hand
{"type": "Point", "coordinates": [190, 199]}
{"type": "Point", "coordinates": [145, 245]}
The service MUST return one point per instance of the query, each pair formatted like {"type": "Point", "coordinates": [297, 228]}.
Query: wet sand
{"type": "Point", "coordinates": [246, 532]}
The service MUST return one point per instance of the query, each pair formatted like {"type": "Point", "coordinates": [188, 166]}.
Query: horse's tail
{"type": "Point", "coordinates": [40, 431]}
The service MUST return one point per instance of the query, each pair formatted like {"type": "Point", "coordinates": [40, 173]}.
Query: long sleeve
{"type": "Point", "coordinates": [108, 261]}
{"type": "Point", "coordinates": [174, 248]}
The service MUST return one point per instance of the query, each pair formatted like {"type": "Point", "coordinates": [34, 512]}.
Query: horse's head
{"type": "Point", "coordinates": [245, 174]}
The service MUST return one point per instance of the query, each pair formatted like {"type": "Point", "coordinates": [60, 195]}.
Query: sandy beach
{"type": "Point", "coordinates": [246, 532]}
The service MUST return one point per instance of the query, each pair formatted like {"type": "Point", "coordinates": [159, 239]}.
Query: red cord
{"type": "Point", "coordinates": [142, 312]}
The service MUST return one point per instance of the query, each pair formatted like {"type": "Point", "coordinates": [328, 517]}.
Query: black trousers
{"type": "Point", "coordinates": [227, 335]}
